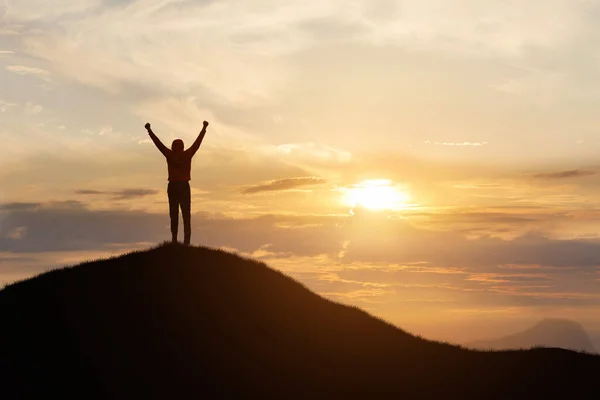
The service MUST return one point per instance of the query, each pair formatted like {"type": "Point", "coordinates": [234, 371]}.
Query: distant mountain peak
{"type": "Point", "coordinates": [549, 332]}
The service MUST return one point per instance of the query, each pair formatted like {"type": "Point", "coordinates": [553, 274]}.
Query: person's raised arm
{"type": "Point", "coordinates": [163, 149]}
{"type": "Point", "coordinates": [194, 148]}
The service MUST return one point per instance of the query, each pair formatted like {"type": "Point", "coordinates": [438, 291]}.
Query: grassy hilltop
{"type": "Point", "coordinates": [191, 322]}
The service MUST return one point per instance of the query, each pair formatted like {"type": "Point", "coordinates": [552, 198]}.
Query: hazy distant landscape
{"type": "Point", "coordinates": [563, 334]}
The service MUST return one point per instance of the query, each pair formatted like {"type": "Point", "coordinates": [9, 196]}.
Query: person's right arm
{"type": "Point", "coordinates": [163, 149]}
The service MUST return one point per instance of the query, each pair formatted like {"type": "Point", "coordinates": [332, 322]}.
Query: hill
{"type": "Point", "coordinates": [188, 322]}
{"type": "Point", "coordinates": [547, 333]}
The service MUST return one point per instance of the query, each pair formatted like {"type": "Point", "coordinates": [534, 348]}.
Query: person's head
{"type": "Point", "coordinates": [177, 145]}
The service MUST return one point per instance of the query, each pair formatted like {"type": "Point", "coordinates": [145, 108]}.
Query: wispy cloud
{"type": "Point", "coordinates": [429, 267]}
{"type": "Point", "coordinates": [25, 70]}
{"type": "Point", "coordinates": [282, 184]}
{"type": "Point", "coordinates": [124, 194]}
{"type": "Point", "coordinates": [272, 54]}
{"type": "Point", "coordinates": [496, 278]}
{"type": "Point", "coordinates": [30, 10]}
{"type": "Point", "coordinates": [312, 151]}
{"type": "Point", "coordinates": [19, 206]}
{"type": "Point", "coordinates": [459, 144]}
{"type": "Point", "coordinates": [5, 105]}
{"type": "Point", "coordinates": [249, 72]}
{"type": "Point", "coordinates": [33, 108]}
{"type": "Point", "coordinates": [17, 233]}
{"type": "Point", "coordinates": [371, 295]}
{"type": "Point", "coordinates": [574, 173]}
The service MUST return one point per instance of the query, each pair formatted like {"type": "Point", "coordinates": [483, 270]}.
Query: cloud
{"type": "Point", "coordinates": [17, 233]}
{"type": "Point", "coordinates": [19, 206]}
{"type": "Point", "coordinates": [310, 151]}
{"type": "Point", "coordinates": [282, 184]}
{"type": "Point", "coordinates": [124, 194]}
{"type": "Point", "coordinates": [134, 193]}
{"type": "Point", "coordinates": [71, 225]}
{"type": "Point", "coordinates": [265, 59]}
{"type": "Point", "coordinates": [186, 63]}
{"type": "Point", "coordinates": [5, 105]}
{"type": "Point", "coordinates": [90, 192]}
{"type": "Point", "coordinates": [33, 108]}
{"type": "Point", "coordinates": [335, 255]}
{"type": "Point", "coordinates": [574, 173]}
{"type": "Point", "coordinates": [24, 70]}
{"type": "Point", "coordinates": [458, 144]}
{"type": "Point", "coordinates": [495, 278]}
{"type": "Point", "coordinates": [243, 60]}
{"type": "Point", "coordinates": [29, 10]}
{"type": "Point", "coordinates": [362, 240]}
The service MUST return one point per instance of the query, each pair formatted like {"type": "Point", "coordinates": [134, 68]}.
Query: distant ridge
{"type": "Point", "coordinates": [559, 333]}
{"type": "Point", "coordinates": [179, 322]}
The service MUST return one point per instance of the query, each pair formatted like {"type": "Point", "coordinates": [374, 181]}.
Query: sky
{"type": "Point", "coordinates": [433, 162]}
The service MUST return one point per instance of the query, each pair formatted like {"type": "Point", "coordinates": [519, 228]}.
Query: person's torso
{"type": "Point", "coordinates": [180, 166]}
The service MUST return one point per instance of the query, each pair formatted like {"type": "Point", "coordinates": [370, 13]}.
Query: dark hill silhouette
{"type": "Point", "coordinates": [187, 322]}
{"type": "Point", "coordinates": [547, 333]}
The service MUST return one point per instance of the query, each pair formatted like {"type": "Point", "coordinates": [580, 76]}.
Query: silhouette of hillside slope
{"type": "Point", "coordinates": [181, 322]}
{"type": "Point", "coordinates": [547, 333]}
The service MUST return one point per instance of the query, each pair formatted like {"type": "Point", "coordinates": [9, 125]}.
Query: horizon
{"type": "Point", "coordinates": [433, 164]}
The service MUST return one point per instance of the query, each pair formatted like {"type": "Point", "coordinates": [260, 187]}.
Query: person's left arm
{"type": "Point", "coordinates": [194, 147]}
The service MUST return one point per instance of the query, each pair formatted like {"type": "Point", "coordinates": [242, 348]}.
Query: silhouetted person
{"type": "Point", "coordinates": [180, 164]}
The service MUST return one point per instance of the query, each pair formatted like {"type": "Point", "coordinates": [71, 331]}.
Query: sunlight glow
{"type": "Point", "coordinates": [376, 194]}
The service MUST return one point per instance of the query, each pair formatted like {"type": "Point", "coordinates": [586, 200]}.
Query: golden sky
{"type": "Point", "coordinates": [431, 161]}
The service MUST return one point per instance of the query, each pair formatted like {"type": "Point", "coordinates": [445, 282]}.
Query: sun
{"type": "Point", "coordinates": [376, 194]}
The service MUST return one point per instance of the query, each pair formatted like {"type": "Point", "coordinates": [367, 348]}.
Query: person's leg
{"type": "Point", "coordinates": [186, 211]}
{"type": "Point", "coordinates": [173, 210]}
